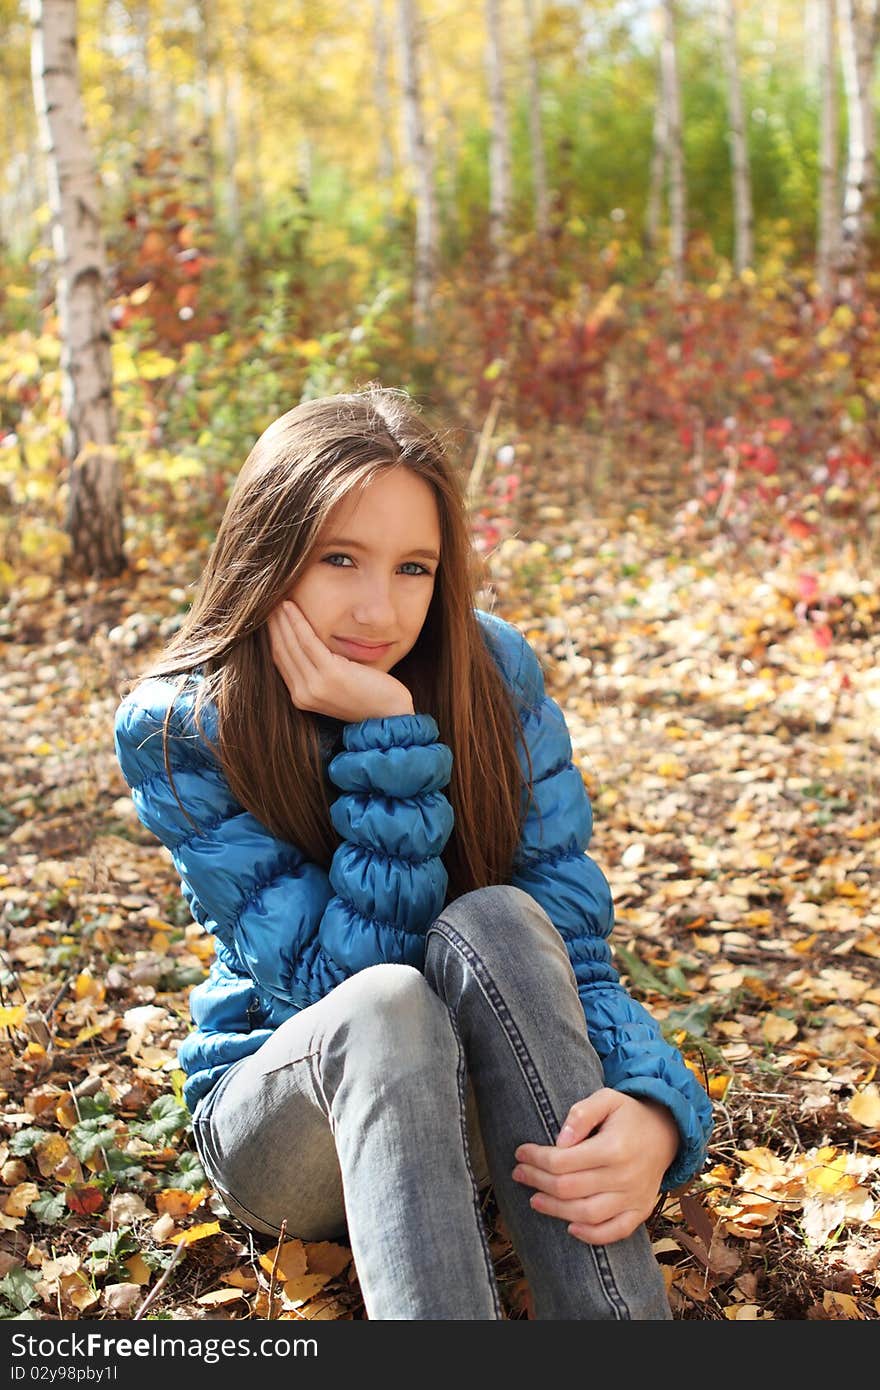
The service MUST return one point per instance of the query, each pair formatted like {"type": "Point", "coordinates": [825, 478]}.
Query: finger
{"type": "Point", "coordinates": [286, 649]}
{"type": "Point", "coordinates": [300, 633]}
{"type": "Point", "coordinates": [606, 1232]}
{"type": "Point", "coordinates": [551, 1159]}
{"type": "Point", "coordinates": [586, 1115]}
{"type": "Point", "coordinates": [580, 1182]}
{"type": "Point", "coordinates": [587, 1211]}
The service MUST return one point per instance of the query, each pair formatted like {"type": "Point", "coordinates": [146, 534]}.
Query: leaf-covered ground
{"type": "Point", "coordinates": [724, 711]}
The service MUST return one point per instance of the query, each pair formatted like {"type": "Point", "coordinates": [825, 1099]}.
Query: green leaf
{"type": "Point", "coordinates": [167, 1118]}
{"type": "Point", "coordinates": [188, 1174]}
{"type": "Point", "coordinates": [49, 1208]}
{"type": "Point", "coordinates": [643, 976]}
{"type": "Point", "coordinates": [19, 1288]}
{"type": "Point", "coordinates": [90, 1135]}
{"type": "Point", "coordinates": [26, 1140]}
{"type": "Point", "coordinates": [98, 1104]}
{"type": "Point", "coordinates": [694, 1020]}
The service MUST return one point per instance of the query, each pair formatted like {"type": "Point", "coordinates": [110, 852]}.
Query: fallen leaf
{"type": "Point", "coordinates": [291, 1261]}
{"type": "Point", "coordinates": [865, 1106]}
{"type": "Point", "coordinates": [303, 1286]}
{"type": "Point", "coordinates": [20, 1198]}
{"type": "Point", "coordinates": [241, 1279]}
{"type": "Point", "coordinates": [220, 1296]}
{"type": "Point", "coordinates": [122, 1298]}
{"type": "Point", "coordinates": [776, 1029]}
{"type": "Point", "coordinates": [84, 1198]}
{"type": "Point", "coordinates": [202, 1232]}
{"type": "Point", "coordinates": [841, 1305]}
{"type": "Point", "coordinates": [139, 1271]}
{"type": "Point", "coordinates": [325, 1257]}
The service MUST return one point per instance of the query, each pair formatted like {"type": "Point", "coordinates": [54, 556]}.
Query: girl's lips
{"type": "Point", "coordinates": [359, 649]}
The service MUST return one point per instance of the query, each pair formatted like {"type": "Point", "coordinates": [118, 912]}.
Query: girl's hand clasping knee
{"type": "Point", "coordinates": [603, 1174]}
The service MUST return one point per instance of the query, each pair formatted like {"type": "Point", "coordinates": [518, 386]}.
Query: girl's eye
{"type": "Point", "coordinates": [412, 567]}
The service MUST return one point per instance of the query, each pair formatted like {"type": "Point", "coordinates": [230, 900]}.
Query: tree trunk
{"type": "Point", "coordinates": [499, 141]}
{"type": "Point", "coordinates": [677, 189]}
{"type": "Point", "coordinates": [94, 517]}
{"type": "Point", "coordinates": [858, 46]}
{"type": "Point", "coordinates": [536, 133]}
{"type": "Point", "coordinates": [829, 223]}
{"type": "Point", "coordinates": [743, 254]}
{"type": "Point", "coordinates": [659, 159]}
{"type": "Point", "coordinates": [206, 63]}
{"type": "Point", "coordinates": [252, 123]}
{"type": "Point", "coordinates": [230, 101]}
{"type": "Point", "coordinates": [382, 98]}
{"type": "Point", "coordinates": [422, 169]}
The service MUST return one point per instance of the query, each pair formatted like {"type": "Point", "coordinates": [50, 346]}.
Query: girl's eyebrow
{"type": "Point", "coordinates": [357, 545]}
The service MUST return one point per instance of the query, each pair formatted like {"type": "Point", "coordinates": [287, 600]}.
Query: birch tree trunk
{"type": "Point", "coordinates": [206, 49]}
{"type": "Point", "coordinates": [499, 141]}
{"type": "Point", "coordinates": [251, 121]}
{"type": "Point", "coordinates": [230, 102]}
{"type": "Point", "coordinates": [743, 216]}
{"type": "Point", "coordinates": [536, 132]}
{"type": "Point", "coordinates": [382, 97]}
{"type": "Point", "coordinates": [677, 189]}
{"type": "Point", "coordinates": [858, 47]}
{"type": "Point", "coordinates": [422, 169]}
{"type": "Point", "coordinates": [659, 159]}
{"type": "Point", "coordinates": [814, 28]}
{"type": "Point", "coordinates": [94, 515]}
{"type": "Point", "coordinates": [829, 222]}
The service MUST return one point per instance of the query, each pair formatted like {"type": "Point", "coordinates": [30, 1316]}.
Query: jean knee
{"type": "Point", "coordinates": [393, 1024]}
{"type": "Point", "coordinates": [476, 916]}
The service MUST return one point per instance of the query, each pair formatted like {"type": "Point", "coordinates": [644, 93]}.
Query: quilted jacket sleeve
{"type": "Point", "coordinates": [552, 866]}
{"type": "Point", "coordinates": [295, 930]}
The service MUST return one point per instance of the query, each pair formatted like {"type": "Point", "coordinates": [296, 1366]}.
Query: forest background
{"type": "Point", "coordinates": [626, 254]}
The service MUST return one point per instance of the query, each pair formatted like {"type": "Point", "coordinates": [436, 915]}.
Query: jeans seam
{"type": "Point", "coordinates": [605, 1273]}
{"type": "Point", "coordinates": [461, 1080]}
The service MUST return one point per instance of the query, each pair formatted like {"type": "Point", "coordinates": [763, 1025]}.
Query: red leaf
{"type": "Point", "coordinates": [84, 1198]}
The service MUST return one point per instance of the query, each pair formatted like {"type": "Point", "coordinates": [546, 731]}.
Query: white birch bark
{"type": "Point", "coordinates": [94, 514]}
{"type": "Point", "coordinates": [499, 140]}
{"type": "Point", "coordinates": [743, 217]}
{"type": "Point", "coordinates": [858, 47]}
{"type": "Point", "coordinates": [382, 95]}
{"type": "Point", "coordinates": [677, 188]}
{"type": "Point", "coordinates": [251, 121]}
{"type": "Point", "coordinates": [536, 131]}
{"type": "Point", "coordinates": [422, 168]}
{"type": "Point", "coordinates": [829, 222]}
{"type": "Point", "coordinates": [814, 28]}
{"type": "Point", "coordinates": [230, 103]}
{"type": "Point", "coordinates": [206, 51]}
{"type": "Point", "coordinates": [659, 157]}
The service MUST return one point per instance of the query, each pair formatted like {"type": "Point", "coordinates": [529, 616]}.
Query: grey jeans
{"type": "Point", "coordinates": [376, 1115]}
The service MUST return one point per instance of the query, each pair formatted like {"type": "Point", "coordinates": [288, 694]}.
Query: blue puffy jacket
{"type": "Point", "coordinates": [286, 931]}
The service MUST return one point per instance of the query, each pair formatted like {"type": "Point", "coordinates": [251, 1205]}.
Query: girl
{"type": "Point", "coordinates": [372, 805]}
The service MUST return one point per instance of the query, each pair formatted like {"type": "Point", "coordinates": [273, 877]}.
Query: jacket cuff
{"type": "Point", "coordinates": [391, 731]}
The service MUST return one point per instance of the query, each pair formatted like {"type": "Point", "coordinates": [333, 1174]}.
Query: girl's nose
{"type": "Point", "coordinates": [374, 608]}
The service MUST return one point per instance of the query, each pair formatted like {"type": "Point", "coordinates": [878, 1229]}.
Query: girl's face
{"type": "Point", "coordinates": [370, 577]}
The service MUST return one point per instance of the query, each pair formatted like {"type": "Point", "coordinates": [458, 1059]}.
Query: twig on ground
{"type": "Point", "coordinates": [154, 1293]}
{"type": "Point", "coordinates": [270, 1311]}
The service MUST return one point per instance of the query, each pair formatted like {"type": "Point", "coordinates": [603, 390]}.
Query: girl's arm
{"type": "Point", "coordinates": [295, 929]}
{"type": "Point", "coordinates": [551, 865]}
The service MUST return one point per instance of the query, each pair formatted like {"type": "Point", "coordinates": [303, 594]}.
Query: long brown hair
{"type": "Point", "coordinates": [299, 468]}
